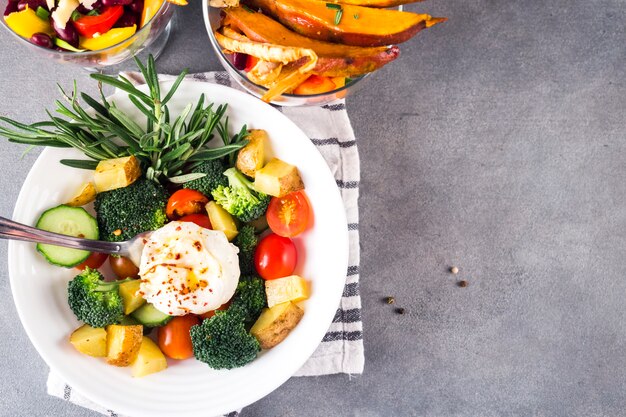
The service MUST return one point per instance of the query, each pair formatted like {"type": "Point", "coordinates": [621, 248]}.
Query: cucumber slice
{"type": "Point", "coordinates": [70, 221]}
{"type": "Point", "coordinates": [149, 316]}
{"type": "Point", "coordinates": [131, 321]}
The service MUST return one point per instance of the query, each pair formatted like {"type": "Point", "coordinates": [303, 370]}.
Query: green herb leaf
{"type": "Point", "coordinates": [333, 6]}
{"type": "Point", "coordinates": [80, 163]}
{"type": "Point", "coordinates": [75, 15]}
{"type": "Point", "coordinates": [186, 177]}
{"type": "Point", "coordinates": [338, 16]}
{"type": "Point", "coordinates": [356, 16]}
{"type": "Point", "coordinates": [93, 12]}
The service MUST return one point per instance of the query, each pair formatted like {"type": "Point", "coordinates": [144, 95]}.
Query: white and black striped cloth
{"type": "Point", "coordinates": [341, 350]}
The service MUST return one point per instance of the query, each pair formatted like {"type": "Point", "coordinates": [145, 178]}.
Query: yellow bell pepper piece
{"type": "Point", "coordinates": [150, 7]}
{"type": "Point", "coordinates": [26, 23]}
{"type": "Point", "coordinates": [110, 38]}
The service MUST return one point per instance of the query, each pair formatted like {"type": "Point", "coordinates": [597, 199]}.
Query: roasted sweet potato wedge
{"type": "Point", "coordinates": [375, 3]}
{"type": "Point", "coordinates": [359, 26]}
{"type": "Point", "coordinates": [334, 60]}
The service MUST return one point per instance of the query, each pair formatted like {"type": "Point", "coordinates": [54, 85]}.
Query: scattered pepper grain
{"type": "Point", "coordinates": [400, 310]}
{"type": "Point", "coordinates": [463, 283]}
{"type": "Point", "coordinates": [390, 300]}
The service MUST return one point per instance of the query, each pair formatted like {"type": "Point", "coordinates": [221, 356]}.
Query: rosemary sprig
{"type": "Point", "coordinates": [166, 149]}
{"type": "Point", "coordinates": [338, 11]}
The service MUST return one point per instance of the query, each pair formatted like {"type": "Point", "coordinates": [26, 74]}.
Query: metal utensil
{"type": "Point", "coordinates": [132, 248]}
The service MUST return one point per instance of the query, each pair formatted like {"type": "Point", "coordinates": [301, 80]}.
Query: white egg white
{"type": "Point", "coordinates": [188, 269]}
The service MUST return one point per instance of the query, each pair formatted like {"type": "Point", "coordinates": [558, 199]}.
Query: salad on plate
{"type": "Point", "coordinates": [214, 279]}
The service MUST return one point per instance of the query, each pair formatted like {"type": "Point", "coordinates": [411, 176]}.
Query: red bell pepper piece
{"type": "Point", "coordinates": [88, 26]}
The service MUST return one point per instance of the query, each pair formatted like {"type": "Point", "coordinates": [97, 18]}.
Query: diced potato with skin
{"type": "Point", "coordinates": [116, 173]}
{"type": "Point", "coordinates": [221, 220]}
{"type": "Point", "coordinates": [129, 291]}
{"type": "Point", "coordinates": [292, 288]}
{"type": "Point", "coordinates": [149, 360]}
{"type": "Point", "coordinates": [275, 323]}
{"type": "Point", "coordinates": [85, 195]}
{"type": "Point", "coordinates": [89, 340]}
{"type": "Point", "coordinates": [252, 156]}
{"type": "Point", "coordinates": [123, 343]}
{"type": "Point", "coordinates": [278, 178]}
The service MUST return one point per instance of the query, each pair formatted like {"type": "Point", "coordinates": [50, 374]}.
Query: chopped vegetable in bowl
{"type": "Point", "coordinates": [79, 26]}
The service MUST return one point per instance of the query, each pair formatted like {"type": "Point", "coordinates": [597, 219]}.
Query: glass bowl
{"type": "Point", "coordinates": [152, 38]}
{"type": "Point", "coordinates": [212, 21]}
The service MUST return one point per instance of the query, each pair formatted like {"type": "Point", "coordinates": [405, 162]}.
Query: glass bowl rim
{"type": "Point", "coordinates": [164, 5]}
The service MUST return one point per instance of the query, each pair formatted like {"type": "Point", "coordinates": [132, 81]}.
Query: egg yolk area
{"type": "Point", "coordinates": [188, 269]}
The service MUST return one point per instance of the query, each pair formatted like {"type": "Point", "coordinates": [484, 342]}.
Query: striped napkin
{"type": "Point", "coordinates": [341, 350]}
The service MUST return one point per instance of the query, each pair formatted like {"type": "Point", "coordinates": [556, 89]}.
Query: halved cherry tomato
{"type": "Point", "coordinates": [94, 261]}
{"type": "Point", "coordinates": [289, 216]}
{"type": "Point", "coordinates": [211, 313]}
{"type": "Point", "coordinates": [88, 26]}
{"type": "Point", "coordinates": [184, 202]}
{"type": "Point", "coordinates": [275, 257]}
{"type": "Point", "coordinates": [251, 62]}
{"type": "Point", "coordinates": [174, 337]}
{"type": "Point", "coordinates": [123, 267]}
{"type": "Point", "coordinates": [201, 220]}
{"type": "Point", "coordinates": [315, 84]}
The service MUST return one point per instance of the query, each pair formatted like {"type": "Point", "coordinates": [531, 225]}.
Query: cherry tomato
{"type": "Point", "coordinates": [174, 337]}
{"type": "Point", "coordinates": [250, 63]}
{"type": "Point", "coordinates": [275, 257]}
{"type": "Point", "coordinates": [289, 216]}
{"type": "Point", "coordinates": [184, 202]}
{"type": "Point", "coordinates": [123, 267]}
{"type": "Point", "coordinates": [94, 261]}
{"type": "Point", "coordinates": [315, 84]}
{"type": "Point", "coordinates": [211, 313]}
{"type": "Point", "coordinates": [201, 220]}
{"type": "Point", "coordinates": [88, 26]}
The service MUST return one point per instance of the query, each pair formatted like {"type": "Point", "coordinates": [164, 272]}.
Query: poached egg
{"type": "Point", "coordinates": [186, 269]}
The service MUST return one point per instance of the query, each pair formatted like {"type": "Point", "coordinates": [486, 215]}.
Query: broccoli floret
{"type": "Point", "coordinates": [222, 342]}
{"type": "Point", "coordinates": [93, 300]}
{"type": "Point", "coordinates": [249, 299]}
{"type": "Point", "coordinates": [240, 198]}
{"type": "Point", "coordinates": [125, 212]}
{"type": "Point", "coordinates": [214, 171]}
{"type": "Point", "coordinates": [246, 241]}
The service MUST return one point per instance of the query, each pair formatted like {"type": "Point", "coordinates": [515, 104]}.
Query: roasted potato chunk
{"type": "Point", "coordinates": [123, 343]}
{"type": "Point", "coordinates": [129, 291]}
{"type": "Point", "coordinates": [275, 323]}
{"type": "Point", "coordinates": [252, 156]}
{"type": "Point", "coordinates": [292, 288]}
{"type": "Point", "coordinates": [149, 360]}
{"type": "Point", "coordinates": [89, 340]}
{"type": "Point", "coordinates": [85, 195]}
{"type": "Point", "coordinates": [221, 220]}
{"type": "Point", "coordinates": [116, 173]}
{"type": "Point", "coordinates": [278, 178]}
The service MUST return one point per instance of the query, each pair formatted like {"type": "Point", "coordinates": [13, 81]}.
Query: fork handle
{"type": "Point", "coordinates": [10, 229]}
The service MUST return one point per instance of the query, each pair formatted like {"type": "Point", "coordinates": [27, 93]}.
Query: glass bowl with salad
{"type": "Point", "coordinates": [89, 33]}
{"type": "Point", "coordinates": [313, 52]}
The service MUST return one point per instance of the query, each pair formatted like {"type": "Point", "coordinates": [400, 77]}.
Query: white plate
{"type": "Point", "coordinates": [186, 388]}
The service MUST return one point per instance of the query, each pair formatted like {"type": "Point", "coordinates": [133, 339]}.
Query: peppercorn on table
{"type": "Point", "coordinates": [493, 212]}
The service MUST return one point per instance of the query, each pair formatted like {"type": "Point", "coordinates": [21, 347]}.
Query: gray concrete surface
{"type": "Point", "coordinates": [497, 144]}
